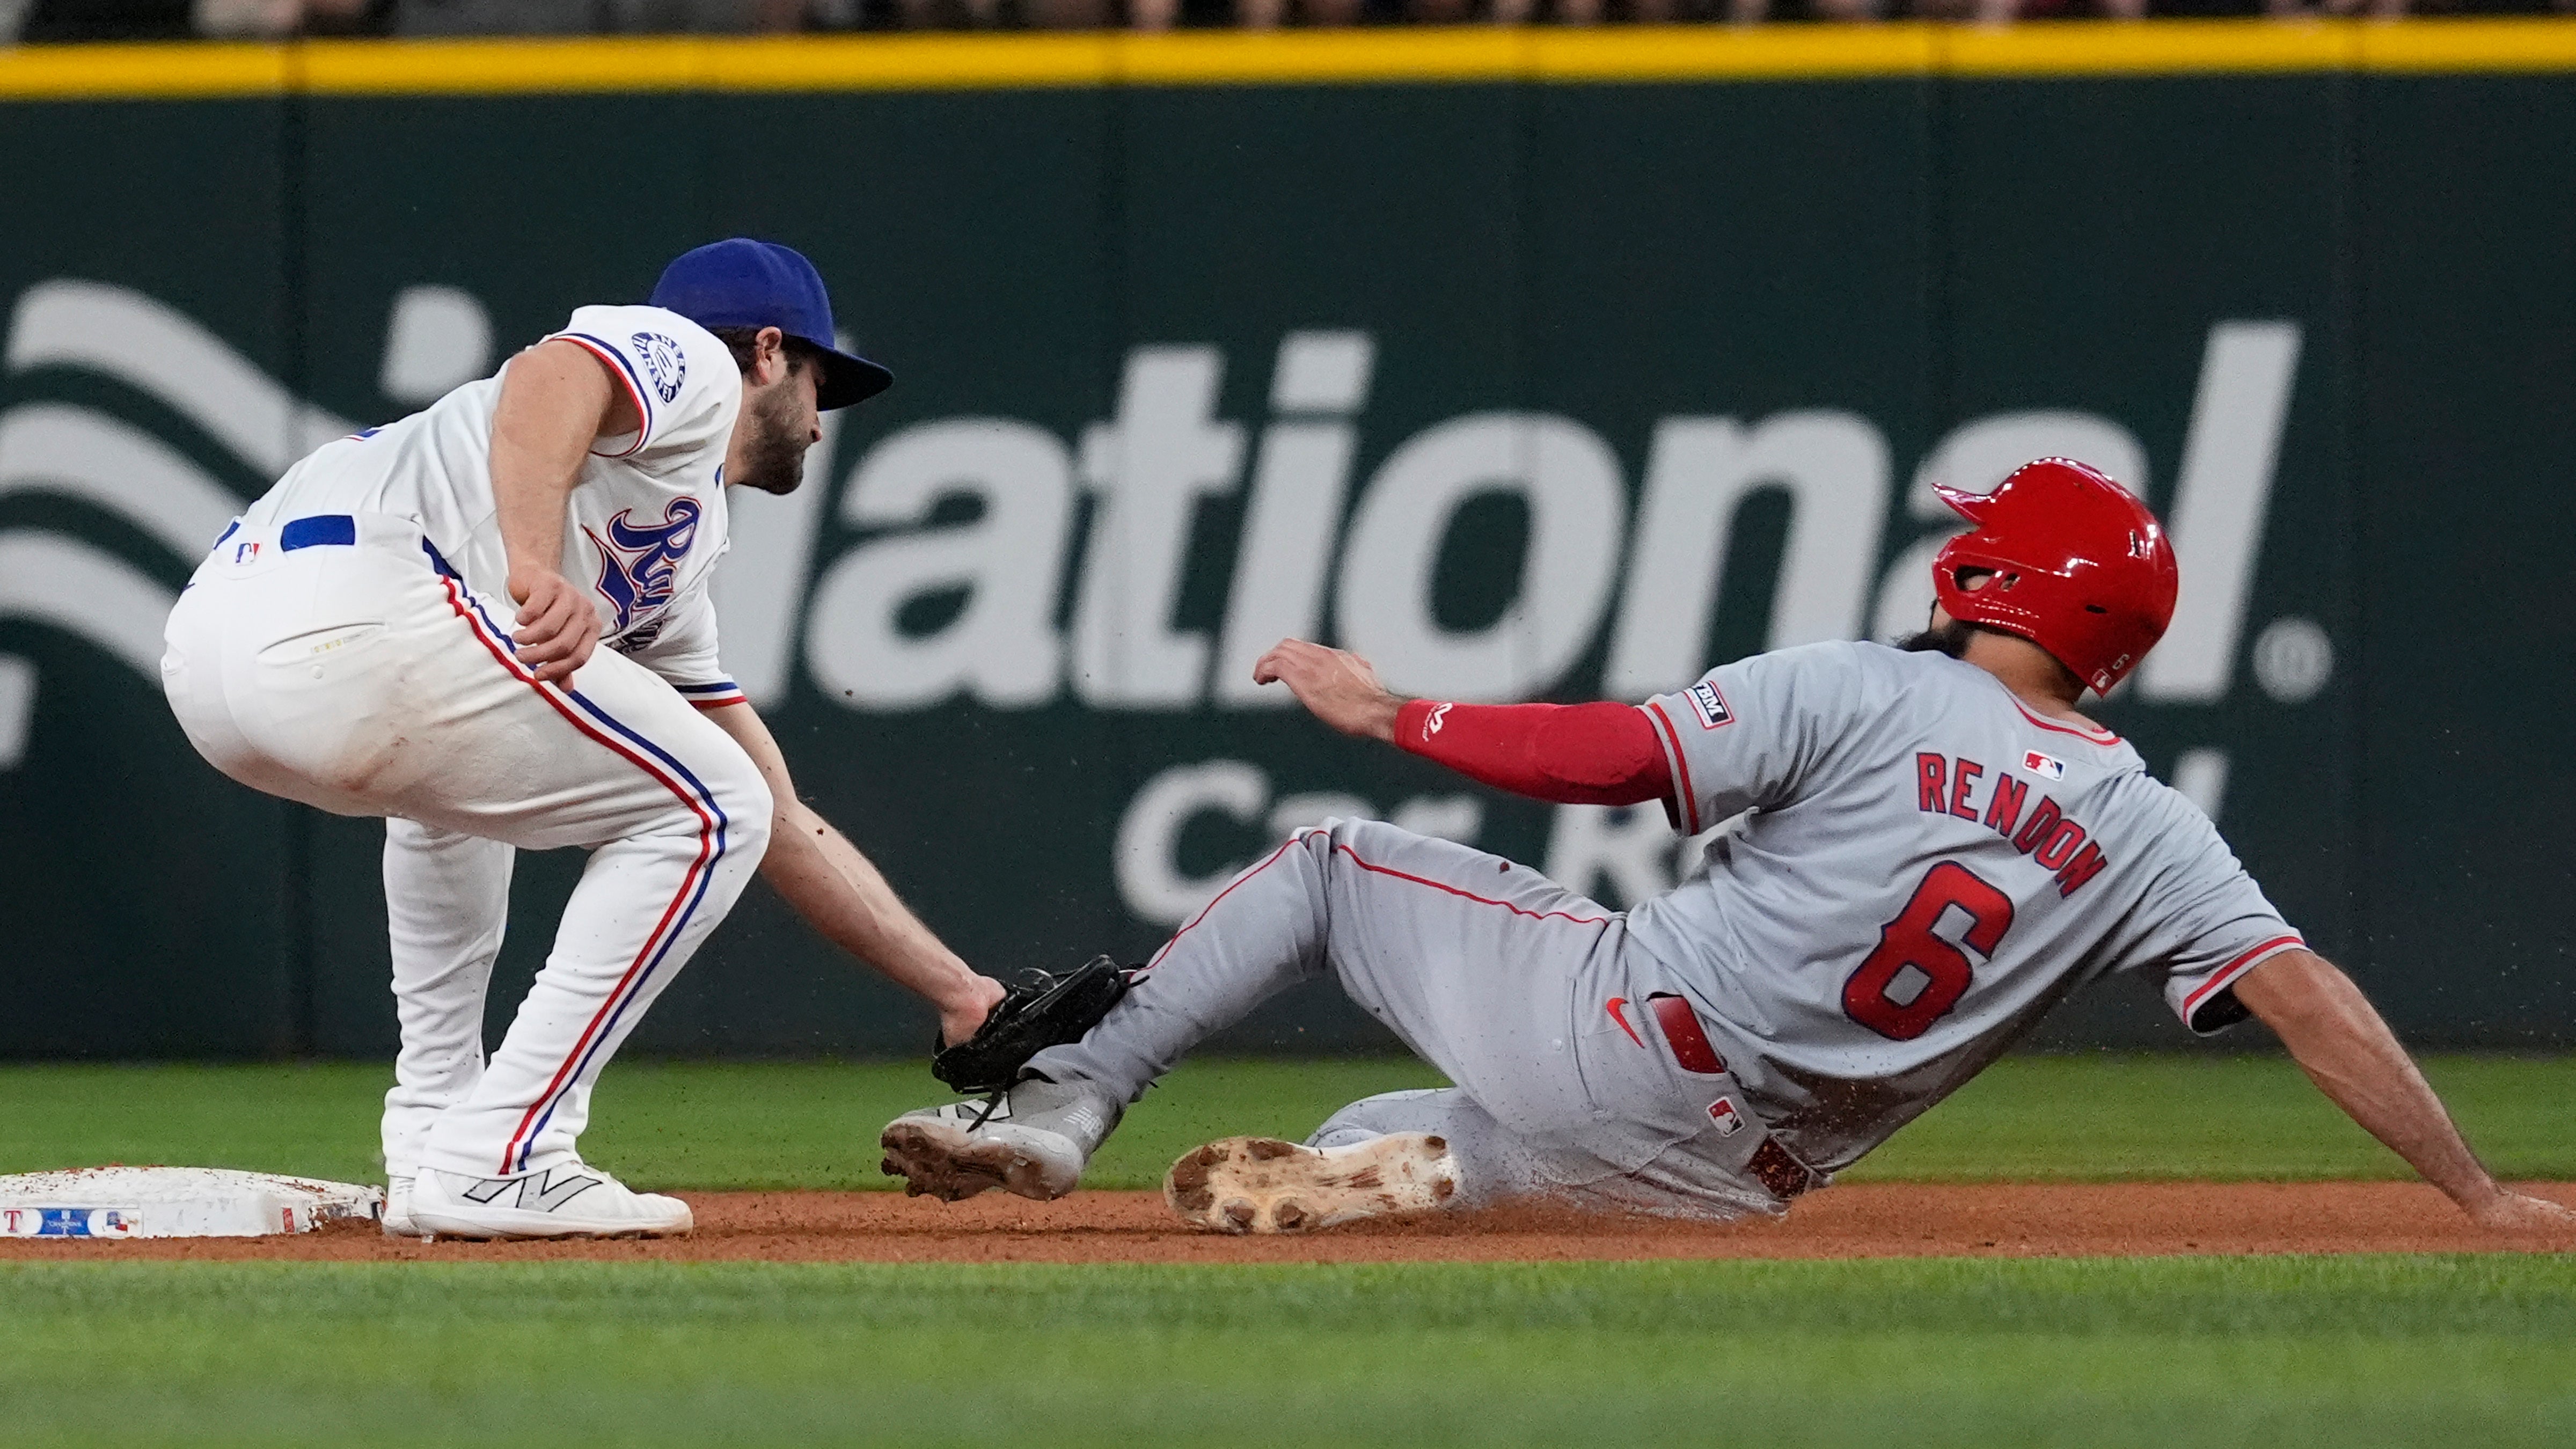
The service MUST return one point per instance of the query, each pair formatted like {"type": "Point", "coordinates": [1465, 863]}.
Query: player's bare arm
{"type": "Point", "coordinates": [1336, 686]}
{"type": "Point", "coordinates": [2339, 1040]}
{"type": "Point", "coordinates": [840, 892]}
{"type": "Point", "coordinates": [556, 401]}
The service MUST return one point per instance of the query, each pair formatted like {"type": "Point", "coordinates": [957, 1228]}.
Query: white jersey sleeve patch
{"type": "Point", "coordinates": [676, 375]}
{"type": "Point", "coordinates": [1751, 733]}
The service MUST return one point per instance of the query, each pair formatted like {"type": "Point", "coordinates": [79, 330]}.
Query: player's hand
{"type": "Point", "coordinates": [558, 628]}
{"type": "Point", "coordinates": [2512, 1212]}
{"type": "Point", "coordinates": [1336, 686]}
{"type": "Point", "coordinates": [959, 1019]}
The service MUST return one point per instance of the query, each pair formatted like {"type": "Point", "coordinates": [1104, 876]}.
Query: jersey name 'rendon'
{"type": "Point", "coordinates": [1923, 868]}
{"type": "Point", "coordinates": [645, 523]}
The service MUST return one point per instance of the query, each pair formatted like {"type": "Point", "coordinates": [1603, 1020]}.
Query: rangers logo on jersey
{"type": "Point", "coordinates": [639, 563]}
{"type": "Point", "coordinates": [664, 363]}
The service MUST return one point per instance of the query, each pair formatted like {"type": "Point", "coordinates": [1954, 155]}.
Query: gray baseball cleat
{"type": "Point", "coordinates": [1031, 1140]}
{"type": "Point", "coordinates": [1264, 1185]}
{"type": "Point", "coordinates": [570, 1200]}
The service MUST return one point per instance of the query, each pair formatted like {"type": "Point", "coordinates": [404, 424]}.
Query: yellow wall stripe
{"type": "Point", "coordinates": [1239, 57]}
{"type": "Point", "coordinates": [500, 67]}
{"type": "Point", "coordinates": [2522, 44]}
{"type": "Point", "coordinates": [911, 62]}
{"type": "Point", "coordinates": [1310, 57]}
{"type": "Point", "coordinates": [1777, 52]}
{"type": "Point", "coordinates": [2151, 47]}
{"type": "Point", "coordinates": [113, 72]}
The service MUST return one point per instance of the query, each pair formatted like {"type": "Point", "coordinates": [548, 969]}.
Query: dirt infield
{"type": "Point", "coordinates": [1862, 1221]}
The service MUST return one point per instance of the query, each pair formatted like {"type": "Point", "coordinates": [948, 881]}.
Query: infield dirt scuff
{"type": "Point", "coordinates": [1867, 1220]}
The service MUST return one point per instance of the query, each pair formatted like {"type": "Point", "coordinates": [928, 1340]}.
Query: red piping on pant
{"type": "Point", "coordinates": [707, 831]}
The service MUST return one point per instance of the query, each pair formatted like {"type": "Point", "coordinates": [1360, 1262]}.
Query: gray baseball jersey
{"type": "Point", "coordinates": [1923, 868]}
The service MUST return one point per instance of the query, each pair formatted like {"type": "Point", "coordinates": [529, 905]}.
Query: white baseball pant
{"type": "Point", "coordinates": [331, 661]}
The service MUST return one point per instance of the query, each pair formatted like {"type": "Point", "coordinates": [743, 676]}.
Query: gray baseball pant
{"type": "Point", "coordinates": [1490, 972]}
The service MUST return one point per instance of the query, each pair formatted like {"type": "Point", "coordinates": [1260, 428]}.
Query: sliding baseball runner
{"type": "Point", "coordinates": [1935, 848]}
{"type": "Point", "coordinates": [408, 625]}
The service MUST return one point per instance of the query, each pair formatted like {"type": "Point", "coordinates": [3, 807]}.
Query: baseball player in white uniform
{"type": "Point", "coordinates": [408, 625]}
{"type": "Point", "coordinates": [1934, 848]}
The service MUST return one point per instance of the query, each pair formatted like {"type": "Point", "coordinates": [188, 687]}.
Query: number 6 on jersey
{"type": "Point", "coordinates": [1942, 968]}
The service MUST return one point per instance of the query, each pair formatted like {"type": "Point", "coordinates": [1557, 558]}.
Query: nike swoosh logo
{"type": "Point", "coordinates": [1620, 1017]}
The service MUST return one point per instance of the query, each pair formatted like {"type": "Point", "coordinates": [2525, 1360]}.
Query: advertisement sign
{"type": "Point", "coordinates": [1523, 391]}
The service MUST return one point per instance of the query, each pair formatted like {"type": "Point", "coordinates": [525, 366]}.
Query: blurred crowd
{"type": "Point", "coordinates": [69, 20]}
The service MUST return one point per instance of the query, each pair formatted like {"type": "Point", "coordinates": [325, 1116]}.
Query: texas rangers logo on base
{"type": "Point", "coordinates": [2047, 767]}
{"type": "Point", "coordinates": [1728, 1120]}
{"type": "Point", "coordinates": [1710, 706]}
{"type": "Point", "coordinates": [638, 563]}
{"type": "Point", "coordinates": [67, 1222]}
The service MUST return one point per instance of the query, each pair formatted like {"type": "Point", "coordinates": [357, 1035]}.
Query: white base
{"type": "Point", "coordinates": [174, 1202]}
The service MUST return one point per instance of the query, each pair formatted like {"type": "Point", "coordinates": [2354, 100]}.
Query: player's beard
{"type": "Point", "coordinates": [773, 454]}
{"type": "Point", "coordinates": [1950, 638]}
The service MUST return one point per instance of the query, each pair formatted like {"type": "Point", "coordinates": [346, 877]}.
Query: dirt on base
{"type": "Point", "coordinates": [1896, 1220]}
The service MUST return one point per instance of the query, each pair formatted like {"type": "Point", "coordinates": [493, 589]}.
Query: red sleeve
{"type": "Point", "coordinates": [1573, 754]}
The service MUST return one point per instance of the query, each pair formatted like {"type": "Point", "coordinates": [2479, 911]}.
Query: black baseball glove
{"type": "Point", "coordinates": [1044, 1010]}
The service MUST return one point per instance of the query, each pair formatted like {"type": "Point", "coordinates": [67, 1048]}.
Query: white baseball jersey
{"type": "Point", "coordinates": [347, 645]}
{"type": "Point", "coordinates": [644, 526]}
{"type": "Point", "coordinates": [1924, 867]}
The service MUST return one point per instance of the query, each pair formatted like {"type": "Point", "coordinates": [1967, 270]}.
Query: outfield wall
{"type": "Point", "coordinates": [1536, 364]}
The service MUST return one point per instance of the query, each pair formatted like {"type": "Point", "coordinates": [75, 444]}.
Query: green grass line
{"type": "Point", "coordinates": [2283, 1353]}
{"type": "Point", "coordinates": [2105, 1117]}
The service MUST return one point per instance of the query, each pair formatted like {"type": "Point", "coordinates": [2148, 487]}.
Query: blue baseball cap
{"type": "Point", "coordinates": [739, 282]}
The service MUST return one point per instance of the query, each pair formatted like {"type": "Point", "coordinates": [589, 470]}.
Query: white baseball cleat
{"type": "Point", "coordinates": [569, 1200]}
{"type": "Point", "coordinates": [1264, 1185]}
{"type": "Point", "coordinates": [395, 1218]}
{"type": "Point", "coordinates": [1032, 1140]}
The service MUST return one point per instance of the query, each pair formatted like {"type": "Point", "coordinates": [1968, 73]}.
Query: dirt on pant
{"type": "Point", "coordinates": [1867, 1220]}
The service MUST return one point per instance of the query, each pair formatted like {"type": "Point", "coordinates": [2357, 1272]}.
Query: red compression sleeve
{"type": "Point", "coordinates": [1572, 754]}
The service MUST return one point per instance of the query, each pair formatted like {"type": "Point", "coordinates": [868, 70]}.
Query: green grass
{"type": "Point", "coordinates": [2075, 1118]}
{"type": "Point", "coordinates": [2280, 1353]}
{"type": "Point", "coordinates": [2111, 1117]}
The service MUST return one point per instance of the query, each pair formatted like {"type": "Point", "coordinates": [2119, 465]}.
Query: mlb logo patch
{"type": "Point", "coordinates": [1728, 1120]}
{"type": "Point", "coordinates": [1710, 706]}
{"type": "Point", "coordinates": [245, 552]}
{"type": "Point", "coordinates": [2047, 767]}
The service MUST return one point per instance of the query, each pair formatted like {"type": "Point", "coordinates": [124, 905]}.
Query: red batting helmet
{"type": "Point", "coordinates": [2080, 567]}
